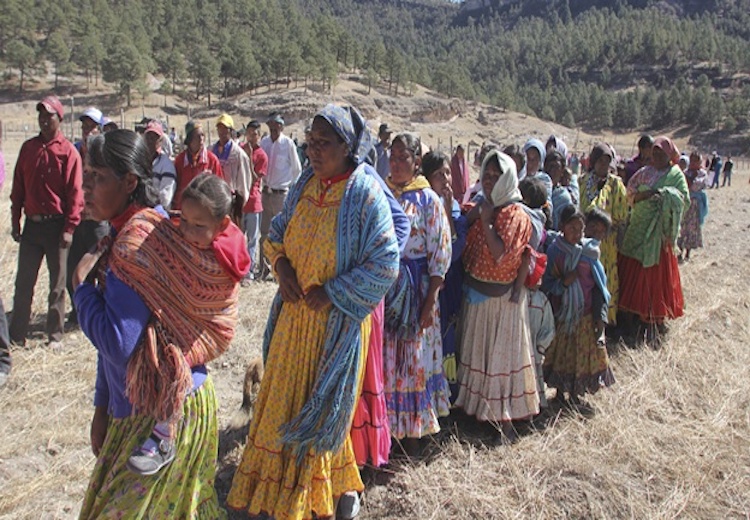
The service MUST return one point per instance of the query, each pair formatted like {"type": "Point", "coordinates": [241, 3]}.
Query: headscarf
{"type": "Point", "coordinates": [536, 143]}
{"type": "Point", "coordinates": [668, 147]}
{"type": "Point", "coordinates": [190, 127]}
{"type": "Point", "coordinates": [560, 145]}
{"type": "Point", "coordinates": [349, 124]}
{"type": "Point", "coordinates": [598, 151]}
{"type": "Point", "coordinates": [506, 189]}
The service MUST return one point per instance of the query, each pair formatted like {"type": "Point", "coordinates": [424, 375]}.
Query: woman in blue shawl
{"type": "Point", "coordinates": [576, 362]}
{"type": "Point", "coordinates": [691, 233]}
{"type": "Point", "coordinates": [335, 254]}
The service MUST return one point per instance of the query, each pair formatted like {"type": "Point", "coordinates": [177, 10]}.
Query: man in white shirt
{"type": "Point", "coordinates": [283, 169]}
{"type": "Point", "coordinates": [165, 176]}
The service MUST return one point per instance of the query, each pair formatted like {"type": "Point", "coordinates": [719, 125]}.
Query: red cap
{"type": "Point", "coordinates": [52, 105]}
{"type": "Point", "coordinates": [154, 126]}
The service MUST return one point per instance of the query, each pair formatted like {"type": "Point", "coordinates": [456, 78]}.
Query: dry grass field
{"type": "Point", "coordinates": [670, 439]}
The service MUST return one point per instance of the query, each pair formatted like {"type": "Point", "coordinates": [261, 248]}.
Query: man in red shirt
{"type": "Point", "coordinates": [47, 189]}
{"type": "Point", "coordinates": [254, 207]}
{"type": "Point", "coordinates": [193, 160]}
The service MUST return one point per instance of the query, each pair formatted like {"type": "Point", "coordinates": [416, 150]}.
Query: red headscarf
{"type": "Point", "coordinates": [668, 147]}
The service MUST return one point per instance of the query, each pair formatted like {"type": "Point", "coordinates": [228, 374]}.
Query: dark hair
{"type": "Point", "coordinates": [569, 213]}
{"type": "Point", "coordinates": [211, 192]}
{"type": "Point", "coordinates": [554, 156]}
{"type": "Point", "coordinates": [534, 195]}
{"type": "Point", "coordinates": [646, 141]}
{"type": "Point", "coordinates": [411, 142]}
{"type": "Point", "coordinates": [485, 149]}
{"type": "Point", "coordinates": [599, 215]}
{"type": "Point", "coordinates": [493, 160]}
{"type": "Point", "coordinates": [515, 152]}
{"type": "Point", "coordinates": [432, 161]}
{"type": "Point", "coordinates": [533, 192]}
{"type": "Point", "coordinates": [597, 152]}
{"type": "Point", "coordinates": [253, 124]}
{"type": "Point", "coordinates": [124, 151]}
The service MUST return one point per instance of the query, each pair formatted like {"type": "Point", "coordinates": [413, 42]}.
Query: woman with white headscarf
{"type": "Point", "coordinates": [496, 372]}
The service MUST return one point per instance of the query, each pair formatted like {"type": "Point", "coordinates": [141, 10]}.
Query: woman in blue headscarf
{"type": "Point", "coordinates": [535, 155]}
{"type": "Point", "coordinates": [335, 254]}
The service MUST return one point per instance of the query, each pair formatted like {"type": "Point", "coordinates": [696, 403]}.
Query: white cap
{"type": "Point", "coordinates": [92, 113]}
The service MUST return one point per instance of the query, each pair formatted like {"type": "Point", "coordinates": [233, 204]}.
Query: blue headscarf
{"type": "Point", "coordinates": [537, 144]}
{"type": "Point", "coordinates": [349, 124]}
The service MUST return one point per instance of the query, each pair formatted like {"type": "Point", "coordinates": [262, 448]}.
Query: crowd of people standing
{"type": "Point", "coordinates": [405, 291]}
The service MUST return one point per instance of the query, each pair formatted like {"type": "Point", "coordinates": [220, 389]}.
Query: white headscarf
{"type": "Point", "coordinates": [506, 188]}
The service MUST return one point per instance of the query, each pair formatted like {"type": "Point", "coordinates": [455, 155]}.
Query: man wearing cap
{"type": "Point", "coordinates": [283, 169]}
{"type": "Point", "coordinates": [108, 125]}
{"type": "Point", "coordinates": [164, 173]}
{"type": "Point", "coordinates": [91, 121]}
{"type": "Point", "coordinates": [235, 164]}
{"type": "Point", "coordinates": [254, 207]}
{"type": "Point", "coordinates": [193, 160]}
{"type": "Point", "coordinates": [383, 150]}
{"type": "Point", "coordinates": [88, 233]}
{"type": "Point", "coordinates": [47, 190]}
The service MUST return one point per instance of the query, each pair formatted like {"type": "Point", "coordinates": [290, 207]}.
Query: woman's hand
{"type": "Point", "coordinates": [84, 271]}
{"type": "Point", "coordinates": [99, 429]}
{"type": "Point", "coordinates": [569, 278]}
{"type": "Point", "coordinates": [645, 195]}
{"type": "Point", "coordinates": [448, 198]}
{"type": "Point", "coordinates": [428, 312]}
{"type": "Point", "coordinates": [317, 298]}
{"type": "Point", "coordinates": [291, 292]}
{"type": "Point", "coordinates": [486, 212]}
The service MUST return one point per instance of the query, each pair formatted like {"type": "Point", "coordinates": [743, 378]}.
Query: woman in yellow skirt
{"type": "Point", "coordinates": [334, 252]}
{"type": "Point", "coordinates": [600, 188]}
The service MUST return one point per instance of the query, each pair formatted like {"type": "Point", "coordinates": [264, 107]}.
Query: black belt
{"type": "Point", "coordinates": [271, 190]}
{"type": "Point", "coordinates": [44, 218]}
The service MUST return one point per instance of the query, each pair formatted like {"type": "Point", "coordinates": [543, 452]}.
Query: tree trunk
{"type": "Point", "coordinates": [20, 85]}
{"type": "Point", "coordinates": [127, 94]}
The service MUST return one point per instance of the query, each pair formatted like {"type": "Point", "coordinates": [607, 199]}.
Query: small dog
{"type": "Point", "coordinates": [253, 377]}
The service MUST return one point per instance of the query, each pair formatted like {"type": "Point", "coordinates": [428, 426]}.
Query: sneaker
{"type": "Point", "coordinates": [349, 506]}
{"type": "Point", "coordinates": [145, 461]}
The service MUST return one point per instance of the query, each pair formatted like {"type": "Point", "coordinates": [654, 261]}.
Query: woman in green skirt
{"type": "Point", "coordinates": [136, 301]}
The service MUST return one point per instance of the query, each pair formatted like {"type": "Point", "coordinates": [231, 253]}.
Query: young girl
{"type": "Point", "coordinates": [576, 361]}
{"type": "Point", "coordinates": [436, 168]}
{"type": "Point", "coordinates": [204, 224]}
{"type": "Point", "coordinates": [541, 317]}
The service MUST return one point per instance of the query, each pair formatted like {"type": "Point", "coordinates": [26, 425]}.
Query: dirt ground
{"type": "Point", "coordinates": [670, 439]}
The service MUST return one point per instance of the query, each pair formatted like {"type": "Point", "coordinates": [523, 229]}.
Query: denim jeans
{"type": "Point", "coordinates": [251, 224]}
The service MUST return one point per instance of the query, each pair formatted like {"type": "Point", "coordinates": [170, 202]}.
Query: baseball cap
{"type": "Point", "coordinates": [226, 120]}
{"type": "Point", "coordinates": [92, 113]}
{"type": "Point", "coordinates": [52, 105]}
{"type": "Point", "coordinates": [155, 127]}
{"type": "Point", "coordinates": [275, 117]}
{"type": "Point", "coordinates": [385, 129]}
